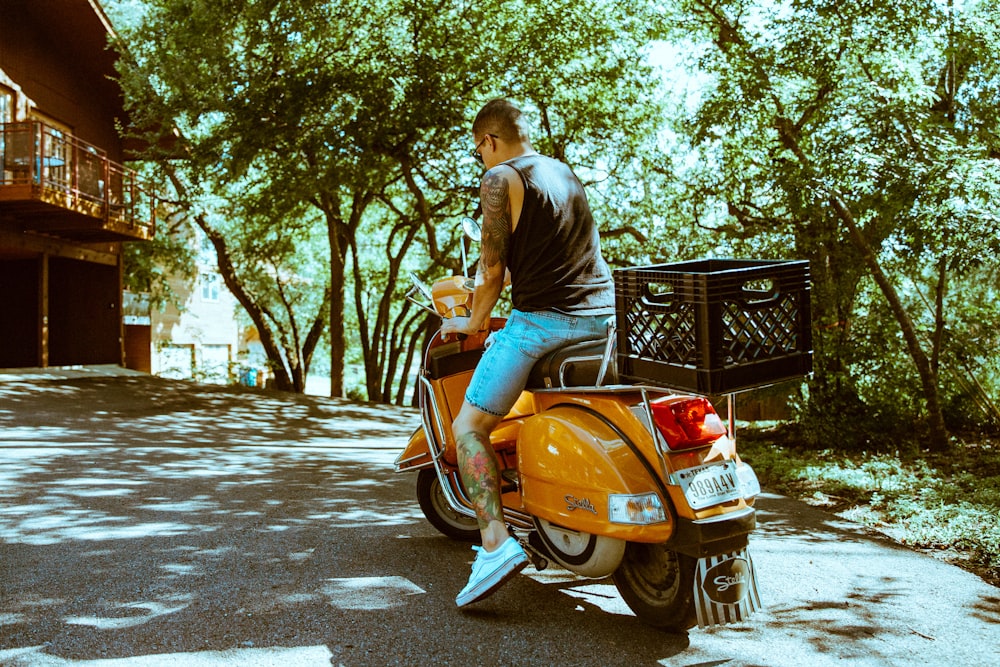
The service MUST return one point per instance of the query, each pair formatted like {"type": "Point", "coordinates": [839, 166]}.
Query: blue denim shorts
{"type": "Point", "coordinates": [503, 370]}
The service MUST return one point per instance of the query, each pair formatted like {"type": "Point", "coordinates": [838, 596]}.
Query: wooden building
{"type": "Point", "coordinates": [67, 203]}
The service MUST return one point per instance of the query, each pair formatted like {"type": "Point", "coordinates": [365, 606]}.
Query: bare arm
{"type": "Point", "coordinates": [495, 194]}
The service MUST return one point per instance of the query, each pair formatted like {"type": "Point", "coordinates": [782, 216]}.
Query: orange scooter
{"type": "Point", "coordinates": [604, 476]}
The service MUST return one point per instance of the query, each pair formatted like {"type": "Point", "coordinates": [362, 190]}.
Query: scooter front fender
{"type": "Point", "coordinates": [570, 460]}
{"type": "Point", "coordinates": [416, 454]}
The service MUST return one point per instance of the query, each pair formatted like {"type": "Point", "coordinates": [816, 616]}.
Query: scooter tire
{"type": "Point", "coordinates": [658, 585]}
{"type": "Point", "coordinates": [435, 507]}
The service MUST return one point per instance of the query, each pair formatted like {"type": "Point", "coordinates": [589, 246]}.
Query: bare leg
{"type": "Point", "coordinates": [477, 466]}
{"type": "Point", "coordinates": [500, 557]}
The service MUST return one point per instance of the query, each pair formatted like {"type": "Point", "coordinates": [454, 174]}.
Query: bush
{"type": "Point", "coordinates": [834, 415]}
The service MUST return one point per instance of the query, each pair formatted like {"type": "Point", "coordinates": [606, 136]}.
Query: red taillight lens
{"type": "Point", "coordinates": [687, 422]}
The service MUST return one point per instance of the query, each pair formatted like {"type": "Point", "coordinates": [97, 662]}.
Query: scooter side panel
{"type": "Point", "coordinates": [569, 462]}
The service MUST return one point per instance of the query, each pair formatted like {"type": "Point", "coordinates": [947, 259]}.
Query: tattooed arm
{"type": "Point", "coordinates": [501, 186]}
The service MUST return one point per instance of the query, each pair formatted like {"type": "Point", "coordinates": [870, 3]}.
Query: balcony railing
{"type": "Point", "coordinates": [53, 182]}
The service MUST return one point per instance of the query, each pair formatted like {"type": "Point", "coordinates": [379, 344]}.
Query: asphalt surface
{"type": "Point", "coordinates": [154, 522]}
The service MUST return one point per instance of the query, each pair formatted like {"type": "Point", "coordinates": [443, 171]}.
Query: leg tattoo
{"type": "Point", "coordinates": [478, 468]}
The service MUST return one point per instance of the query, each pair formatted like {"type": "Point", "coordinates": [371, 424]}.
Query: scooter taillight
{"type": "Point", "coordinates": [687, 422]}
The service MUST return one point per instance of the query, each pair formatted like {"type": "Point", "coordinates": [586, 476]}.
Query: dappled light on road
{"type": "Point", "coordinates": [146, 411]}
{"type": "Point", "coordinates": [306, 656]}
{"type": "Point", "coordinates": [151, 522]}
{"type": "Point", "coordinates": [369, 592]}
{"type": "Point", "coordinates": [187, 485]}
{"type": "Point", "coordinates": [596, 594]}
{"type": "Point", "coordinates": [135, 497]}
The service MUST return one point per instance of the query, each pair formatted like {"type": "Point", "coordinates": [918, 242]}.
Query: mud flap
{"type": "Point", "coordinates": [725, 589]}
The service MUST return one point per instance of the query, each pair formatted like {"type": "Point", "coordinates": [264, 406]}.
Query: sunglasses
{"type": "Point", "coordinates": [475, 151]}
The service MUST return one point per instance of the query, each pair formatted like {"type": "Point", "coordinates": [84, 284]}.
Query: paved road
{"type": "Point", "coordinates": [154, 522]}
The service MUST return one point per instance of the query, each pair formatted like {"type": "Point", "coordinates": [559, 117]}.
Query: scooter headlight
{"type": "Point", "coordinates": [641, 508]}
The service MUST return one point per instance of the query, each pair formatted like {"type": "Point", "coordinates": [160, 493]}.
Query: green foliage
{"type": "Point", "coordinates": [148, 266]}
{"type": "Point", "coordinates": [891, 110]}
{"type": "Point", "coordinates": [333, 136]}
{"type": "Point", "coordinates": [354, 118]}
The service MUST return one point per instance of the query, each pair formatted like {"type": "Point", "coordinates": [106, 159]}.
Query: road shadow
{"type": "Point", "coordinates": [147, 517]}
{"type": "Point", "coordinates": [138, 410]}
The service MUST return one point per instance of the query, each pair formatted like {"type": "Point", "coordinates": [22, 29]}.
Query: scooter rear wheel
{"type": "Point", "coordinates": [658, 585]}
{"type": "Point", "coordinates": [435, 507]}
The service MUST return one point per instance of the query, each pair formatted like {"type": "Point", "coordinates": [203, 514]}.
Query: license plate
{"type": "Point", "coordinates": [710, 484]}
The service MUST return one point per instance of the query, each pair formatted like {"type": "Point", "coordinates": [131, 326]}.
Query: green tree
{"type": "Point", "coordinates": [148, 265]}
{"type": "Point", "coordinates": [360, 112]}
{"type": "Point", "coordinates": [825, 124]}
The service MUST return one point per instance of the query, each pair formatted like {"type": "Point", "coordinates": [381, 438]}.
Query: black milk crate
{"type": "Point", "coordinates": [714, 326]}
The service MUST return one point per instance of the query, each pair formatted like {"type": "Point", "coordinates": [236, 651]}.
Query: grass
{"type": "Point", "coordinates": [946, 504]}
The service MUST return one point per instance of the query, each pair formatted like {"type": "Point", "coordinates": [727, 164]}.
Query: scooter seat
{"type": "Point", "coordinates": [576, 365]}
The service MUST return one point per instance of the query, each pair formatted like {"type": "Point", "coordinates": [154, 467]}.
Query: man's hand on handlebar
{"type": "Point", "coordinates": [459, 326]}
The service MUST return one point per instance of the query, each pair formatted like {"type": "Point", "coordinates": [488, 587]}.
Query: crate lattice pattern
{"type": "Point", "coordinates": [748, 335]}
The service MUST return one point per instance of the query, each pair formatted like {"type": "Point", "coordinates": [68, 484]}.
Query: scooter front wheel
{"type": "Point", "coordinates": [658, 585]}
{"type": "Point", "coordinates": [435, 507]}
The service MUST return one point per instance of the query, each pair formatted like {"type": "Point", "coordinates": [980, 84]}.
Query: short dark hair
{"type": "Point", "coordinates": [502, 118]}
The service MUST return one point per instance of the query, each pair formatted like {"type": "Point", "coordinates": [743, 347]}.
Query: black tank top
{"type": "Point", "coordinates": [555, 257]}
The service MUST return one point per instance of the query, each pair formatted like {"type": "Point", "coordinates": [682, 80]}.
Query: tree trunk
{"type": "Point", "coordinates": [282, 378]}
{"type": "Point", "coordinates": [928, 374]}
{"type": "Point", "coordinates": [337, 342]}
{"type": "Point", "coordinates": [789, 135]}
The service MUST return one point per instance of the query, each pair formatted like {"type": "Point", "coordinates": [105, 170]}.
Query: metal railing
{"type": "Point", "coordinates": [73, 174]}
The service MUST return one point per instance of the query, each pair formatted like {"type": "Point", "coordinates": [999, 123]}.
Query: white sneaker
{"type": "Point", "coordinates": [491, 570]}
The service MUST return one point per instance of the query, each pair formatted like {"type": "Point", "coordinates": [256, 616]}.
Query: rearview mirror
{"type": "Point", "coordinates": [472, 229]}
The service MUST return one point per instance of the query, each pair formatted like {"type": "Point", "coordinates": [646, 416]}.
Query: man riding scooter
{"type": "Point", "coordinates": [538, 226]}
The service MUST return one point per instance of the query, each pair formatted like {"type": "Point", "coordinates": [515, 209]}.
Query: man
{"type": "Point", "coordinates": [537, 224]}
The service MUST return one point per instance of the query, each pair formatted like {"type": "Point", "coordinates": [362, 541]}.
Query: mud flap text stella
{"type": "Point", "coordinates": [725, 589]}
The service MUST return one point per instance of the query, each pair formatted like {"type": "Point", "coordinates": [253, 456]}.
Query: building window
{"type": "Point", "coordinates": [210, 283]}
{"type": "Point", "coordinates": [57, 169]}
{"type": "Point", "coordinates": [6, 105]}
{"type": "Point", "coordinates": [10, 160]}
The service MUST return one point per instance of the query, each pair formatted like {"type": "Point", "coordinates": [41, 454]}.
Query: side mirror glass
{"type": "Point", "coordinates": [473, 231]}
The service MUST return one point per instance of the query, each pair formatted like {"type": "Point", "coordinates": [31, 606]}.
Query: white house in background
{"type": "Point", "coordinates": [198, 335]}
{"type": "Point", "coordinates": [200, 339]}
